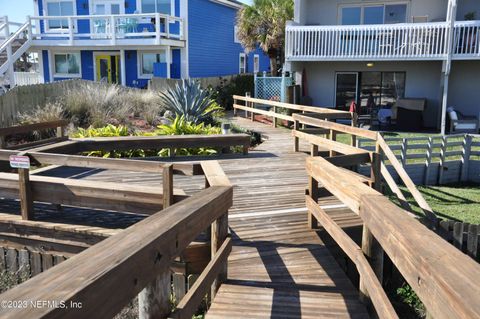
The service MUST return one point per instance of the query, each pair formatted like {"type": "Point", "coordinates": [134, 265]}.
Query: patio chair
{"type": "Point", "coordinates": [460, 123]}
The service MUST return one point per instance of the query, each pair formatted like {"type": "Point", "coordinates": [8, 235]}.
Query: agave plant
{"type": "Point", "coordinates": [189, 100]}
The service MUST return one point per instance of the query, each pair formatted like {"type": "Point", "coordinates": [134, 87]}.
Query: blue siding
{"type": "Point", "coordinates": [46, 69]}
{"type": "Point", "coordinates": [212, 50]}
{"type": "Point", "coordinates": [83, 25]}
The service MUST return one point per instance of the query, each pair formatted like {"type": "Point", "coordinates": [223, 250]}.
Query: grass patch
{"type": "Point", "coordinates": [459, 202]}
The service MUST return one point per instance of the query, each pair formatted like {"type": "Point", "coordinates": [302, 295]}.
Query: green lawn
{"type": "Point", "coordinates": [456, 202]}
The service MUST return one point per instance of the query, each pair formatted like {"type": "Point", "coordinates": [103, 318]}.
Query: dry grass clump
{"type": "Point", "coordinates": [98, 104]}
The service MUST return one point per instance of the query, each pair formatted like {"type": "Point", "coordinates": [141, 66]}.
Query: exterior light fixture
{"type": "Point", "coordinates": [370, 64]}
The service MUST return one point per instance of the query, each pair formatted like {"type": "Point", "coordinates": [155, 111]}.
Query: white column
{"type": "Point", "coordinates": [169, 60]}
{"type": "Point", "coordinates": [10, 71]}
{"type": "Point", "coordinates": [123, 73]}
{"type": "Point", "coordinates": [40, 65]}
{"type": "Point", "coordinates": [451, 16]}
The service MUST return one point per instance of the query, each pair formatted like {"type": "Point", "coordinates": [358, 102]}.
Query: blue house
{"type": "Point", "coordinates": [130, 41]}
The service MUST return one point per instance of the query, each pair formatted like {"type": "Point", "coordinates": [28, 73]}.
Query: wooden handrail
{"type": "Point", "coordinates": [407, 180]}
{"type": "Point", "coordinates": [440, 274]}
{"type": "Point", "coordinates": [125, 164]}
{"type": "Point", "coordinates": [5, 131]}
{"type": "Point", "coordinates": [104, 287]}
{"type": "Point", "coordinates": [378, 296]}
{"type": "Point", "coordinates": [296, 107]}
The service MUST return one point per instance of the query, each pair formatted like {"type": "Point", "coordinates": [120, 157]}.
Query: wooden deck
{"type": "Point", "coordinates": [278, 268]}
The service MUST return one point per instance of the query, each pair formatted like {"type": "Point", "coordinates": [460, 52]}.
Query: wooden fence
{"type": "Point", "coordinates": [434, 160]}
{"type": "Point", "coordinates": [23, 99]}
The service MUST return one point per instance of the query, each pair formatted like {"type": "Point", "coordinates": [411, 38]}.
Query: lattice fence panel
{"type": "Point", "coordinates": [270, 88]}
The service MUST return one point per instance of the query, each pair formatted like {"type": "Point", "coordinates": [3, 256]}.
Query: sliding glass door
{"type": "Point", "coordinates": [346, 89]}
{"type": "Point", "coordinates": [370, 90]}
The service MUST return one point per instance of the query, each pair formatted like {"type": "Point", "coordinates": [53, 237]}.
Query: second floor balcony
{"type": "Point", "coordinates": [107, 30]}
{"type": "Point", "coordinates": [406, 41]}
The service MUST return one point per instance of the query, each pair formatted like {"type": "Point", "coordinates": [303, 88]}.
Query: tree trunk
{"type": "Point", "coordinates": [273, 66]}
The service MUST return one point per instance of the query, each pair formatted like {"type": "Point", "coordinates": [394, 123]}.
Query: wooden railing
{"type": "Point", "coordinates": [102, 288]}
{"type": "Point", "coordinates": [272, 109]}
{"type": "Point", "coordinates": [381, 147]}
{"type": "Point", "coordinates": [440, 274]}
{"type": "Point", "coordinates": [58, 125]}
{"type": "Point", "coordinates": [406, 41]}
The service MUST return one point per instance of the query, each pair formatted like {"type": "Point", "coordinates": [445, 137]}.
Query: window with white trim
{"type": "Point", "coordinates": [59, 8]}
{"type": "Point", "coordinates": [160, 6]}
{"type": "Point", "coordinates": [67, 64]}
{"type": "Point", "coordinates": [235, 35]}
{"type": "Point", "coordinates": [256, 63]}
{"type": "Point", "coordinates": [242, 61]}
{"type": "Point", "coordinates": [148, 59]}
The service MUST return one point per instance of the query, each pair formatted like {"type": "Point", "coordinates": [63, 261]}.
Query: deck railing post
{"type": "Point", "coordinates": [370, 246]}
{"type": "Point", "coordinates": [313, 193]}
{"type": "Point", "coordinates": [274, 118]}
{"type": "Point", "coordinates": [218, 233]}
{"type": "Point", "coordinates": [70, 30]}
{"type": "Point", "coordinates": [157, 28]}
{"type": "Point", "coordinates": [296, 140]}
{"type": "Point", "coordinates": [247, 103]}
{"type": "Point", "coordinates": [25, 192]}
{"type": "Point", "coordinates": [354, 124]}
{"type": "Point", "coordinates": [154, 299]}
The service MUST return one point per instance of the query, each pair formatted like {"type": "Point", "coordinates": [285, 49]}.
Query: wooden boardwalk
{"type": "Point", "coordinates": [278, 268]}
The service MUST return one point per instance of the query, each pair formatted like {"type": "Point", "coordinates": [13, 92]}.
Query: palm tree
{"type": "Point", "coordinates": [263, 24]}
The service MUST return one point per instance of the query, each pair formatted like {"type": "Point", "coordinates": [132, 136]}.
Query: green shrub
{"type": "Point", "coordinates": [239, 85]}
{"type": "Point", "coordinates": [408, 296]}
{"type": "Point", "coordinates": [180, 126]}
{"type": "Point", "coordinates": [189, 100]}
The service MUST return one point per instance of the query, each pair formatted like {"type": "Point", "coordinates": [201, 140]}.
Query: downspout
{"type": "Point", "coordinates": [451, 17]}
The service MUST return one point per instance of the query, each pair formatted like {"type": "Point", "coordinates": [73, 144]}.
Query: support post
{"type": "Point", "coordinates": [25, 192]}
{"type": "Point", "coordinates": [354, 124]}
{"type": "Point", "coordinates": [169, 61]}
{"type": "Point", "coordinates": [154, 299]}
{"type": "Point", "coordinates": [333, 137]}
{"type": "Point", "coordinates": [113, 30]}
{"type": "Point", "coordinates": [296, 140]}
{"type": "Point", "coordinates": [274, 119]}
{"type": "Point", "coordinates": [157, 28]}
{"type": "Point", "coordinates": [428, 160]}
{"type": "Point", "coordinates": [443, 150]}
{"type": "Point", "coordinates": [70, 30]}
{"type": "Point", "coordinates": [247, 104]}
{"type": "Point", "coordinates": [218, 233]}
{"type": "Point", "coordinates": [123, 74]}
{"type": "Point", "coordinates": [313, 193]}
{"type": "Point", "coordinates": [370, 246]}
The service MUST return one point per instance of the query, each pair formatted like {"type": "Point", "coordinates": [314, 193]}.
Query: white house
{"type": "Point", "coordinates": [380, 51]}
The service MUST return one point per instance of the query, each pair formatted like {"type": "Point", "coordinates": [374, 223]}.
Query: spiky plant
{"type": "Point", "coordinates": [187, 99]}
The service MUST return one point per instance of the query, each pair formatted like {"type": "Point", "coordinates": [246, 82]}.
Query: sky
{"type": "Point", "coordinates": [18, 10]}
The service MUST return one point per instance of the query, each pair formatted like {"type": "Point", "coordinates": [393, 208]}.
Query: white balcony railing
{"type": "Point", "coordinates": [409, 41]}
{"type": "Point", "coordinates": [111, 27]}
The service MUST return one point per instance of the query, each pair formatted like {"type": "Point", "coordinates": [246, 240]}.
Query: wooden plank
{"type": "Point", "coordinates": [428, 161]}
{"type": "Point", "coordinates": [125, 143]}
{"type": "Point", "coordinates": [349, 160]}
{"type": "Point", "coordinates": [263, 112]}
{"type": "Point", "coordinates": [135, 165]}
{"type": "Point", "coordinates": [407, 181]}
{"type": "Point", "coordinates": [328, 144]}
{"type": "Point", "coordinates": [3, 265]}
{"type": "Point", "coordinates": [466, 149]}
{"type": "Point", "coordinates": [189, 304]}
{"type": "Point", "coordinates": [371, 283]}
{"type": "Point", "coordinates": [359, 132]}
{"type": "Point", "coordinates": [151, 243]}
{"type": "Point", "coordinates": [167, 178]}
{"type": "Point", "coordinates": [47, 262]}
{"type": "Point", "coordinates": [441, 167]}
{"type": "Point", "coordinates": [440, 274]}
{"type": "Point", "coordinates": [24, 261]}
{"type": "Point", "coordinates": [297, 107]}
{"type": "Point", "coordinates": [214, 174]}
{"type": "Point", "coordinates": [5, 131]}
{"type": "Point", "coordinates": [472, 241]}
{"type": "Point", "coordinates": [82, 193]}
{"type": "Point", "coordinates": [25, 194]}
{"type": "Point", "coordinates": [458, 235]}
{"type": "Point", "coordinates": [49, 141]}
{"type": "Point", "coordinates": [11, 259]}
{"type": "Point", "coordinates": [35, 263]}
